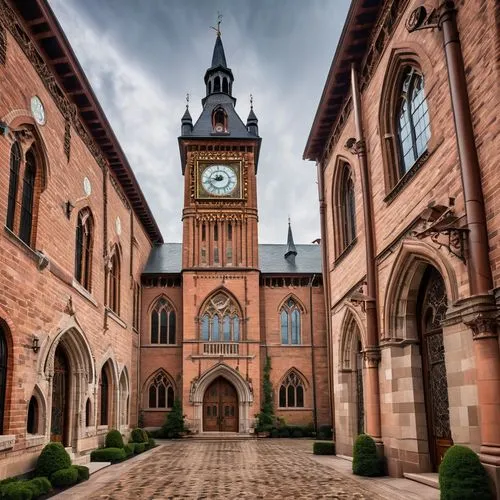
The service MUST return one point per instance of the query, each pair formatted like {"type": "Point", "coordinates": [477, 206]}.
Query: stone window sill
{"type": "Point", "coordinates": [84, 292]}
{"type": "Point", "coordinates": [161, 345]}
{"type": "Point", "coordinates": [111, 314]}
{"type": "Point", "coordinates": [7, 441]}
{"type": "Point", "coordinates": [345, 252]}
{"type": "Point", "coordinates": [30, 252]}
{"type": "Point", "coordinates": [157, 409]}
{"type": "Point", "coordinates": [34, 440]}
{"type": "Point", "coordinates": [284, 408]}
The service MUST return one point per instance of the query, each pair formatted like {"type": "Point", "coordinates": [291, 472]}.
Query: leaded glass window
{"type": "Point", "coordinates": [161, 392]}
{"type": "Point", "coordinates": [220, 320]}
{"type": "Point", "coordinates": [291, 394]}
{"type": "Point", "coordinates": [347, 207]}
{"type": "Point", "coordinates": [15, 162]}
{"type": "Point", "coordinates": [290, 323]}
{"type": "Point", "coordinates": [163, 323]}
{"type": "Point", "coordinates": [83, 250]}
{"type": "Point", "coordinates": [28, 198]}
{"type": "Point", "coordinates": [412, 118]}
{"type": "Point", "coordinates": [114, 282]}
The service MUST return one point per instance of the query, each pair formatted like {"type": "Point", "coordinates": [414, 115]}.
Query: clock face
{"type": "Point", "coordinates": [219, 179]}
{"type": "Point", "coordinates": [37, 110]}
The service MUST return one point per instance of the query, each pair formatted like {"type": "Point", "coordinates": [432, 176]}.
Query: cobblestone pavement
{"type": "Point", "coordinates": [230, 469]}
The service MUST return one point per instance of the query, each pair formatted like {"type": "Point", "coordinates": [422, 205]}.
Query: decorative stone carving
{"type": "Point", "coordinates": [483, 326]}
{"type": "Point", "coordinates": [372, 357]}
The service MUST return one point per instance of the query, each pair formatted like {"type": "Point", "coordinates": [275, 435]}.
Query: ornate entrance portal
{"type": "Point", "coordinates": [220, 407]}
{"type": "Point", "coordinates": [432, 311]}
{"type": "Point", "coordinates": [60, 391]}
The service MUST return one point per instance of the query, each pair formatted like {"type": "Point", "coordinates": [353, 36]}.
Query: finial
{"type": "Point", "coordinates": [289, 222]}
{"type": "Point", "coordinates": [219, 20]}
{"type": "Point", "coordinates": [251, 101]}
{"type": "Point", "coordinates": [187, 100]}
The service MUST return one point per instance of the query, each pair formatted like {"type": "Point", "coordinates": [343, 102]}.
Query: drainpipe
{"type": "Point", "coordinates": [371, 349]}
{"type": "Point", "coordinates": [482, 319]}
{"type": "Point", "coordinates": [326, 289]}
{"type": "Point", "coordinates": [313, 362]}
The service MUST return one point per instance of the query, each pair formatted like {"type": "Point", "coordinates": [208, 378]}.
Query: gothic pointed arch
{"type": "Point", "coordinates": [292, 390]}
{"type": "Point", "coordinates": [6, 365]}
{"type": "Point", "coordinates": [290, 320]}
{"type": "Point", "coordinates": [36, 416]}
{"type": "Point", "coordinates": [124, 398]}
{"type": "Point", "coordinates": [404, 115]}
{"type": "Point", "coordinates": [159, 390]}
{"type": "Point", "coordinates": [163, 318]}
{"type": "Point", "coordinates": [351, 340]}
{"type": "Point", "coordinates": [220, 318]}
{"type": "Point", "coordinates": [83, 247]}
{"type": "Point", "coordinates": [402, 287]}
{"type": "Point", "coordinates": [114, 277]}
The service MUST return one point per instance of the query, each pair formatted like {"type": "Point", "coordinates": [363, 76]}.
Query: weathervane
{"type": "Point", "coordinates": [251, 101]}
{"type": "Point", "coordinates": [187, 100]}
{"type": "Point", "coordinates": [219, 20]}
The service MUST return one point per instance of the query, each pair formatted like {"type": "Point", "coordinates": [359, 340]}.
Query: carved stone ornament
{"type": "Point", "coordinates": [70, 309]}
{"type": "Point", "coordinates": [372, 357]}
{"type": "Point", "coordinates": [483, 326]}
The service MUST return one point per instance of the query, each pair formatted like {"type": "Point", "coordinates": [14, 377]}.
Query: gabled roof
{"type": "Point", "coordinates": [167, 259]}
{"type": "Point", "coordinates": [72, 88]}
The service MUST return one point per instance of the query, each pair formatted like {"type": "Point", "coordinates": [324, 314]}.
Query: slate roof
{"type": "Point", "coordinates": [218, 57]}
{"type": "Point", "coordinates": [167, 259]}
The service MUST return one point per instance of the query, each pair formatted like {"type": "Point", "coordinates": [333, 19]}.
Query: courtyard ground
{"type": "Point", "coordinates": [254, 469]}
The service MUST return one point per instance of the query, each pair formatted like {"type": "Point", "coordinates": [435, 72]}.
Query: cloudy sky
{"type": "Point", "coordinates": [143, 56]}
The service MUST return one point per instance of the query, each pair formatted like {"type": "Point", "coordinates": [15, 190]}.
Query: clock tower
{"type": "Point", "coordinates": [220, 275]}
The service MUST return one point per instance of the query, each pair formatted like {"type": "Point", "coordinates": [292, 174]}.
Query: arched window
{"type": "Point", "coordinates": [347, 207]}
{"type": "Point", "coordinates": [290, 323]}
{"type": "Point", "coordinates": [219, 120]}
{"type": "Point", "coordinates": [15, 162]}
{"type": "Point", "coordinates": [83, 249]}
{"type": "Point", "coordinates": [292, 391]}
{"type": "Point", "coordinates": [26, 224]}
{"type": "Point", "coordinates": [124, 399]}
{"type": "Point", "coordinates": [161, 392]}
{"type": "Point", "coordinates": [104, 397]}
{"type": "Point", "coordinates": [3, 374]}
{"type": "Point", "coordinates": [163, 323]}
{"type": "Point", "coordinates": [88, 413]}
{"type": "Point", "coordinates": [114, 282]}
{"type": "Point", "coordinates": [220, 319]}
{"type": "Point", "coordinates": [412, 116]}
{"type": "Point", "coordinates": [33, 415]}
{"type": "Point", "coordinates": [225, 86]}
{"type": "Point", "coordinates": [217, 84]}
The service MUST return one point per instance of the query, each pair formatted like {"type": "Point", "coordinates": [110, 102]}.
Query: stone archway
{"type": "Point", "coordinates": [243, 391]}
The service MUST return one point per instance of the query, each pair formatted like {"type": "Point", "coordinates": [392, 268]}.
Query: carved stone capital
{"type": "Point", "coordinates": [372, 357]}
{"type": "Point", "coordinates": [483, 326]}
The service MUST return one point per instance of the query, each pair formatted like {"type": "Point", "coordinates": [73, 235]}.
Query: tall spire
{"type": "Point", "coordinates": [219, 57]}
{"type": "Point", "coordinates": [291, 251]}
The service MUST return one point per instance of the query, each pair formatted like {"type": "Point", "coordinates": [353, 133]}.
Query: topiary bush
{"type": "Point", "coordinates": [17, 490]}
{"type": "Point", "coordinates": [325, 432]}
{"type": "Point", "coordinates": [274, 433]}
{"type": "Point", "coordinates": [113, 439]}
{"type": "Point", "coordinates": [107, 455]}
{"type": "Point", "coordinates": [139, 448]}
{"type": "Point", "coordinates": [308, 430]}
{"type": "Point", "coordinates": [284, 432]}
{"type": "Point", "coordinates": [462, 476]}
{"type": "Point", "coordinates": [324, 448]}
{"type": "Point", "coordinates": [83, 472]}
{"type": "Point", "coordinates": [39, 486]}
{"type": "Point", "coordinates": [129, 449]}
{"type": "Point", "coordinates": [296, 432]}
{"type": "Point", "coordinates": [64, 477]}
{"type": "Point", "coordinates": [139, 436]}
{"type": "Point", "coordinates": [52, 458]}
{"type": "Point", "coordinates": [365, 461]}
{"type": "Point", "coordinates": [151, 443]}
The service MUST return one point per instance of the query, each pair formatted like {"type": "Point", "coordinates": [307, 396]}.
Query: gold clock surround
{"type": "Point", "coordinates": [200, 164]}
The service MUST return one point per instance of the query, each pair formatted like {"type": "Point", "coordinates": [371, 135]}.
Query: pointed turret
{"type": "Point", "coordinates": [291, 251]}
{"type": "Point", "coordinates": [252, 122]}
{"type": "Point", "coordinates": [187, 122]}
{"type": "Point", "coordinates": [219, 58]}
{"type": "Point", "coordinates": [219, 78]}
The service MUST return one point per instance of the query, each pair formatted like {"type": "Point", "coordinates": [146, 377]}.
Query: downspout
{"type": "Point", "coordinates": [326, 289]}
{"type": "Point", "coordinates": [481, 312]}
{"type": "Point", "coordinates": [371, 349]}
{"type": "Point", "coordinates": [313, 363]}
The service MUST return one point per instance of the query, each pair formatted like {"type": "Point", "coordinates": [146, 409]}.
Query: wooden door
{"type": "Point", "coordinates": [220, 407]}
{"type": "Point", "coordinates": [432, 312]}
{"type": "Point", "coordinates": [60, 387]}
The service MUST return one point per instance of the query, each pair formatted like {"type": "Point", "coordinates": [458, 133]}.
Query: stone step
{"type": "Point", "coordinates": [219, 436]}
{"type": "Point", "coordinates": [96, 466]}
{"type": "Point", "coordinates": [428, 478]}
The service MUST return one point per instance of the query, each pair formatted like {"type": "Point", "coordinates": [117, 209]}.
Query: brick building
{"type": "Point", "coordinates": [406, 142]}
{"type": "Point", "coordinates": [99, 321]}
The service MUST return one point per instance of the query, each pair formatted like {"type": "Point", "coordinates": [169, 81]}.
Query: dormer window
{"type": "Point", "coordinates": [219, 121]}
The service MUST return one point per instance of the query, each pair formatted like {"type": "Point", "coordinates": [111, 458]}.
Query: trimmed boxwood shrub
{"type": "Point", "coordinates": [139, 448]}
{"type": "Point", "coordinates": [83, 472]}
{"type": "Point", "coordinates": [64, 477]}
{"type": "Point", "coordinates": [113, 439]}
{"type": "Point", "coordinates": [324, 448]}
{"type": "Point", "coordinates": [129, 449]}
{"type": "Point", "coordinates": [296, 432]}
{"type": "Point", "coordinates": [39, 486]}
{"type": "Point", "coordinates": [284, 432]}
{"type": "Point", "coordinates": [365, 461]}
{"type": "Point", "coordinates": [17, 490]}
{"type": "Point", "coordinates": [151, 443]}
{"type": "Point", "coordinates": [139, 436]}
{"type": "Point", "coordinates": [462, 476]}
{"type": "Point", "coordinates": [52, 458]}
{"type": "Point", "coordinates": [274, 433]}
{"type": "Point", "coordinates": [107, 455]}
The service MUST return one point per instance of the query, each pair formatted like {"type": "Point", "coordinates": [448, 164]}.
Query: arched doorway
{"type": "Point", "coordinates": [220, 407]}
{"type": "Point", "coordinates": [431, 311]}
{"type": "Point", "coordinates": [60, 397]}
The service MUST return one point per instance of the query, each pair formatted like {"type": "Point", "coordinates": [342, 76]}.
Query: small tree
{"type": "Point", "coordinates": [266, 418]}
{"type": "Point", "coordinates": [365, 460]}
{"type": "Point", "coordinates": [174, 424]}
